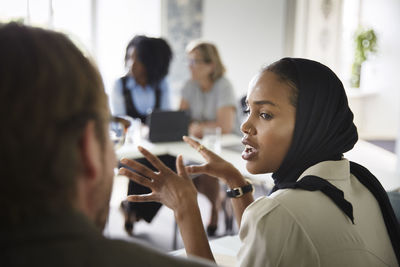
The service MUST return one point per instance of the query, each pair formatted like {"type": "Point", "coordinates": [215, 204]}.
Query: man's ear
{"type": "Point", "coordinates": [90, 152]}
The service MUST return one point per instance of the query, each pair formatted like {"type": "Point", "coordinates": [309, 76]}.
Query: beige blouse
{"type": "Point", "coordinates": [304, 228]}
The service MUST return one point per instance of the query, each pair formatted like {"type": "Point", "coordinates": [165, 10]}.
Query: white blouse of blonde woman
{"type": "Point", "coordinates": [211, 103]}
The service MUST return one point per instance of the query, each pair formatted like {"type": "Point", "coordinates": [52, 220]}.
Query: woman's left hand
{"type": "Point", "coordinates": [167, 187]}
{"type": "Point", "coordinates": [215, 165]}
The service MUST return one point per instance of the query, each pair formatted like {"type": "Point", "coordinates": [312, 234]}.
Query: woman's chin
{"type": "Point", "coordinates": [251, 168]}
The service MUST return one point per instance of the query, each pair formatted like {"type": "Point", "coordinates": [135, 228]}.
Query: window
{"type": "Point", "coordinates": [100, 27]}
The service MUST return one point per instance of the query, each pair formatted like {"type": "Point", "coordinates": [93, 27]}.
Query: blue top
{"type": "Point", "coordinates": [144, 98]}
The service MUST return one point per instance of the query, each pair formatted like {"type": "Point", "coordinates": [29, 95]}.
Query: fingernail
{"type": "Point", "coordinates": [140, 148]}
{"type": "Point", "coordinates": [124, 161]}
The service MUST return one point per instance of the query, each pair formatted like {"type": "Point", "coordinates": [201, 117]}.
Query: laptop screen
{"type": "Point", "coordinates": [167, 126]}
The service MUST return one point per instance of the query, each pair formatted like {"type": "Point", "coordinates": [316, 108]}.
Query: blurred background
{"type": "Point", "coordinates": [358, 39]}
{"type": "Point", "coordinates": [248, 33]}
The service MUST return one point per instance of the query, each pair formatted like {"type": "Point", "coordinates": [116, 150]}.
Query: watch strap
{"type": "Point", "coordinates": [240, 191]}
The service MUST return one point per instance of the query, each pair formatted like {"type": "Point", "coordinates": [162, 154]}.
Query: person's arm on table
{"type": "Point", "coordinates": [225, 171]}
{"type": "Point", "coordinates": [177, 192]}
{"type": "Point", "coordinates": [225, 120]}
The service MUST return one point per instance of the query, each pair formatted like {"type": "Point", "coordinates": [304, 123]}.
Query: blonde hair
{"type": "Point", "coordinates": [210, 55]}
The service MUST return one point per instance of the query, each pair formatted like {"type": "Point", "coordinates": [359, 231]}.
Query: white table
{"type": "Point", "coordinates": [224, 250]}
{"type": "Point", "coordinates": [380, 162]}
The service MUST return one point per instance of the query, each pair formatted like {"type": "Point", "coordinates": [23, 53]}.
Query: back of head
{"type": "Point", "coordinates": [209, 54]}
{"type": "Point", "coordinates": [48, 92]}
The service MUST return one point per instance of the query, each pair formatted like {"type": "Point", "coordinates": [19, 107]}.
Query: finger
{"type": "Point", "coordinates": [193, 169]}
{"type": "Point", "coordinates": [136, 177]}
{"type": "Point", "coordinates": [199, 147]}
{"type": "Point", "coordinates": [180, 167]}
{"type": "Point", "coordinates": [143, 198]}
{"type": "Point", "coordinates": [156, 162]}
{"type": "Point", "coordinates": [193, 143]}
{"type": "Point", "coordinates": [140, 168]}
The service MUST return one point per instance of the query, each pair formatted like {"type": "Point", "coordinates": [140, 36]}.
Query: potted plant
{"type": "Point", "coordinates": [365, 44]}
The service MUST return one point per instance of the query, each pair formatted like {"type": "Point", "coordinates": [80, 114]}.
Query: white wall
{"type": "Point", "coordinates": [377, 114]}
{"type": "Point", "coordinates": [317, 26]}
{"type": "Point", "coordinates": [381, 116]}
{"type": "Point", "coordinates": [117, 22]}
{"type": "Point", "coordinates": [248, 34]}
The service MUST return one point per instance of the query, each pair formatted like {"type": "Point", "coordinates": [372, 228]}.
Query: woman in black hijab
{"type": "Point", "coordinates": [323, 209]}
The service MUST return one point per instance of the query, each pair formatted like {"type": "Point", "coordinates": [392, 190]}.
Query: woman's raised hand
{"type": "Point", "coordinates": [175, 191]}
{"type": "Point", "coordinates": [215, 166]}
{"type": "Point", "coordinates": [167, 187]}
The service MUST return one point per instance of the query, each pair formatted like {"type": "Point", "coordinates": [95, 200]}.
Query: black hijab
{"type": "Point", "coordinates": [324, 130]}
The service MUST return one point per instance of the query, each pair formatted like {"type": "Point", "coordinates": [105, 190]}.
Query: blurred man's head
{"type": "Point", "coordinates": [55, 152]}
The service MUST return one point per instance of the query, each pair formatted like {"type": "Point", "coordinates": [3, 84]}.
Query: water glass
{"type": "Point", "coordinates": [212, 138]}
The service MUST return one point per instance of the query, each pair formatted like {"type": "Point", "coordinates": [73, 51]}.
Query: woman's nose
{"type": "Point", "coordinates": [246, 127]}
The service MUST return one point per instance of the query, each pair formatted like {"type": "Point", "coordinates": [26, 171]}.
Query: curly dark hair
{"type": "Point", "coordinates": [154, 53]}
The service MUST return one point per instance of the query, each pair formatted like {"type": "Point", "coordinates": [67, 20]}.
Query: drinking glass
{"type": "Point", "coordinates": [118, 129]}
{"type": "Point", "coordinates": [212, 138]}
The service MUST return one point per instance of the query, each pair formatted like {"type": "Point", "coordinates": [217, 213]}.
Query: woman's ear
{"type": "Point", "coordinates": [90, 151]}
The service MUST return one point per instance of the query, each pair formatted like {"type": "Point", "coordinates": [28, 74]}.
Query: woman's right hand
{"type": "Point", "coordinates": [167, 186]}
{"type": "Point", "coordinates": [215, 165]}
{"type": "Point", "coordinates": [177, 192]}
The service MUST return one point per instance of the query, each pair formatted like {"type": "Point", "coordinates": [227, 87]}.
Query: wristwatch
{"type": "Point", "coordinates": [240, 191]}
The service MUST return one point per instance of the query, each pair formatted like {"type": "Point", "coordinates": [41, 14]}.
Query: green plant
{"type": "Point", "coordinates": [365, 44]}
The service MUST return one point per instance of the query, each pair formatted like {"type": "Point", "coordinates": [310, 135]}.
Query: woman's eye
{"type": "Point", "coordinates": [266, 116]}
{"type": "Point", "coordinates": [247, 111]}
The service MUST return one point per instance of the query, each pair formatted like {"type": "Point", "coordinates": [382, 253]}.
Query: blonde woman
{"type": "Point", "coordinates": [211, 102]}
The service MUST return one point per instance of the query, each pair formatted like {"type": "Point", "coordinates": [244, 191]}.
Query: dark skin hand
{"type": "Point", "coordinates": [170, 189]}
{"type": "Point", "coordinates": [223, 170]}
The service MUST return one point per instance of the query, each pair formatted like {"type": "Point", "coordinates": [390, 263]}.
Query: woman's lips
{"type": "Point", "coordinates": [249, 152]}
